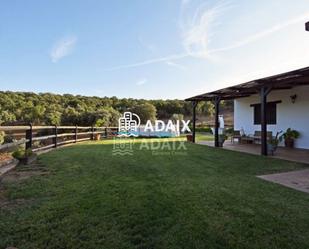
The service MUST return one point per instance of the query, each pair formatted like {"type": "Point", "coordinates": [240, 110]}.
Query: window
{"type": "Point", "coordinates": [271, 113]}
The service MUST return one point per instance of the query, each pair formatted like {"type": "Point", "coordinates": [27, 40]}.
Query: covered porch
{"type": "Point", "coordinates": [260, 89]}
{"type": "Point", "coordinates": [294, 155]}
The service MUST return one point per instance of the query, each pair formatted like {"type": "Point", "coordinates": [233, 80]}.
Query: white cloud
{"type": "Point", "coordinates": [264, 33]}
{"type": "Point", "coordinates": [141, 82]}
{"type": "Point", "coordinates": [176, 65]}
{"type": "Point", "coordinates": [148, 62]}
{"type": "Point", "coordinates": [62, 48]}
{"type": "Point", "coordinates": [197, 30]}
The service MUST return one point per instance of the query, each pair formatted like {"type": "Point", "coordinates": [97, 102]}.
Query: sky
{"type": "Point", "coordinates": [151, 49]}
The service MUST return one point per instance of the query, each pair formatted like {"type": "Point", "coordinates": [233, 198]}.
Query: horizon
{"type": "Point", "coordinates": [164, 99]}
{"type": "Point", "coordinates": [180, 49]}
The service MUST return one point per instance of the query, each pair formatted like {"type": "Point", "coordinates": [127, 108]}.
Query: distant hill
{"type": "Point", "coordinates": [18, 108]}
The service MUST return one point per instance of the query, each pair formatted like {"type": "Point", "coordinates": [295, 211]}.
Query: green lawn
{"type": "Point", "coordinates": [201, 198]}
{"type": "Point", "coordinates": [202, 136]}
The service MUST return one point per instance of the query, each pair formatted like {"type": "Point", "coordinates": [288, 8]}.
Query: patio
{"type": "Point", "coordinates": [295, 155]}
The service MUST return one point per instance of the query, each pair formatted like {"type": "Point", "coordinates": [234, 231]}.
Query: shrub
{"type": "Point", "coordinates": [2, 135]}
{"type": "Point", "coordinates": [19, 154]}
{"type": "Point", "coordinates": [229, 131]}
{"type": "Point", "coordinates": [28, 153]}
{"type": "Point", "coordinates": [8, 139]}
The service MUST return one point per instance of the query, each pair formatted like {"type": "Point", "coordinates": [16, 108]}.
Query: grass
{"type": "Point", "coordinates": [203, 136]}
{"type": "Point", "coordinates": [200, 136]}
{"type": "Point", "coordinates": [200, 198]}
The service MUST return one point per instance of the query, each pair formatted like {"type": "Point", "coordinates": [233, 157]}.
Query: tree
{"type": "Point", "coordinates": [176, 117]}
{"type": "Point", "coordinates": [55, 109]}
{"type": "Point", "coordinates": [6, 117]}
{"type": "Point", "coordinates": [205, 107]}
{"type": "Point", "coordinates": [108, 117]}
{"type": "Point", "coordinates": [145, 111]}
{"type": "Point", "coordinates": [70, 116]}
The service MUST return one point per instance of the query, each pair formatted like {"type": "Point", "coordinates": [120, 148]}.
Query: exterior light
{"type": "Point", "coordinates": [293, 98]}
{"type": "Point", "coordinates": [307, 26]}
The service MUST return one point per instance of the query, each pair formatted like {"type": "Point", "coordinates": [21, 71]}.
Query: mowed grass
{"type": "Point", "coordinates": [201, 136]}
{"type": "Point", "coordinates": [201, 197]}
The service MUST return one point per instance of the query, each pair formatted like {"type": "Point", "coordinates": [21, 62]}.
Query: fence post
{"type": "Point", "coordinates": [92, 133]}
{"type": "Point", "coordinates": [76, 131]}
{"type": "Point", "coordinates": [56, 136]}
{"type": "Point", "coordinates": [29, 137]}
{"type": "Point", "coordinates": [105, 132]}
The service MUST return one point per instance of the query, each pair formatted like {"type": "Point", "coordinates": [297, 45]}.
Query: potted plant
{"type": "Point", "coordinates": [97, 136]}
{"type": "Point", "coordinates": [272, 143]}
{"type": "Point", "coordinates": [24, 156]}
{"type": "Point", "coordinates": [289, 137]}
{"type": "Point", "coordinates": [189, 137]}
{"type": "Point", "coordinates": [222, 138]}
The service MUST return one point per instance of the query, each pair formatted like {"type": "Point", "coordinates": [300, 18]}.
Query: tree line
{"type": "Point", "coordinates": [20, 108]}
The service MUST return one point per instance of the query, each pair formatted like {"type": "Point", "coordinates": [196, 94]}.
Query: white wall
{"type": "Point", "coordinates": [295, 116]}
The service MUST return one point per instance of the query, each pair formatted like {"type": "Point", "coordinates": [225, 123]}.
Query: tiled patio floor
{"type": "Point", "coordinates": [295, 155]}
{"type": "Point", "coordinates": [298, 180]}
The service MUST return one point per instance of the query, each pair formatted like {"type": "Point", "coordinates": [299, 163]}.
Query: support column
{"type": "Point", "coordinates": [194, 103]}
{"type": "Point", "coordinates": [217, 109]}
{"type": "Point", "coordinates": [264, 92]}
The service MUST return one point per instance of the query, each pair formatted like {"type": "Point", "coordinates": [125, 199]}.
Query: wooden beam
{"type": "Point", "coordinates": [271, 102]}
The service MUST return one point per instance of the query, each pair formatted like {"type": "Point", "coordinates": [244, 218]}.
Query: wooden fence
{"type": "Point", "coordinates": [44, 137]}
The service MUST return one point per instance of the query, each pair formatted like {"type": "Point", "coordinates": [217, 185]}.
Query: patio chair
{"type": "Point", "coordinates": [236, 135]}
{"type": "Point", "coordinates": [258, 136]}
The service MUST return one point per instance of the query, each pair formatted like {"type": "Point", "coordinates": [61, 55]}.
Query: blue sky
{"type": "Point", "coordinates": [148, 49]}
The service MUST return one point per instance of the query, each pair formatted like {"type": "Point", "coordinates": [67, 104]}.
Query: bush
{"type": "Point", "coordinates": [28, 153]}
{"type": "Point", "coordinates": [229, 131]}
{"type": "Point", "coordinates": [8, 139]}
{"type": "Point", "coordinates": [2, 134]}
{"type": "Point", "coordinates": [19, 154]}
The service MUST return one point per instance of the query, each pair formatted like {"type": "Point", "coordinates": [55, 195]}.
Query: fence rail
{"type": "Point", "coordinates": [53, 136]}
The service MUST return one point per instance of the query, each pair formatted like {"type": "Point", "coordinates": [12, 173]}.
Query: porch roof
{"type": "Point", "coordinates": [281, 81]}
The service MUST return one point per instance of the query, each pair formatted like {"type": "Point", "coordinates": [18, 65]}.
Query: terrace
{"type": "Point", "coordinates": [295, 155]}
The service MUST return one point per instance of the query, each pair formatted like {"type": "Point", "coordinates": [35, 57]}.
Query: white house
{"type": "Point", "coordinates": [273, 103]}
{"type": "Point", "coordinates": [287, 109]}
